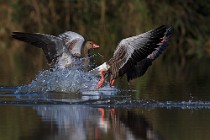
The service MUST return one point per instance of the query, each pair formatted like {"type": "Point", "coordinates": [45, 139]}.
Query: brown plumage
{"type": "Point", "coordinates": [135, 54]}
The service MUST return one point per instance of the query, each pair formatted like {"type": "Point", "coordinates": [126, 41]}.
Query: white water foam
{"type": "Point", "coordinates": [66, 80]}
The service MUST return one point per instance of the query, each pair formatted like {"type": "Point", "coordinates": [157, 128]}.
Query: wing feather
{"type": "Point", "coordinates": [132, 50]}
{"type": "Point", "coordinates": [73, 41]}
{"type": "Point", "coordinates": [51, 45]}
{"type": "Point", "coordinates": [139, 69]}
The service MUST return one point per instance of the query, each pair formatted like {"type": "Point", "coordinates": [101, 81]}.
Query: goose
{"type": "Point", "coordinates": [59, 50]}
{"type": "Point", "coordinates": [134, 55]}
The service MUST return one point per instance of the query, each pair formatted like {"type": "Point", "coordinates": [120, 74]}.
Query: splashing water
{"type": "Point", "coordinates": [62, 80]}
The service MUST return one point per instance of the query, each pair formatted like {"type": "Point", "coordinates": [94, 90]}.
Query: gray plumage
{"type": "Point", "coordinates": [135, 54]}
{"type": "Point", "coordinates": [57, 49]}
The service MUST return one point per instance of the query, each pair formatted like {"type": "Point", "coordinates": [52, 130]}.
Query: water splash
{"type": "Point", "coordinates": [66, 80]}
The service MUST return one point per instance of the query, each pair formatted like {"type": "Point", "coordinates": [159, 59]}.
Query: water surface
{"type": "Point", "coordinates": [156, 106]}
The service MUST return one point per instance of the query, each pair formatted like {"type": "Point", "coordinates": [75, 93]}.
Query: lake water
{"type": "Point", "coordinates": [164, 104]}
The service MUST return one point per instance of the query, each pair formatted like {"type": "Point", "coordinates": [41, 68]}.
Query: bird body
{"type": "Point", "coordinates": [134, 55]}
{"type": "Point", "coordinates": [59, 50]}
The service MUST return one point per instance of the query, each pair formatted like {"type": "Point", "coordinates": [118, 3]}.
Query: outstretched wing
{"type": "Point", "coordinates": [134, 49]}
{"type": "Point", "coordinates": [51, 45]}
{"type": "Point", "coordinates": [73, 42]}
{"type": "Point", "coordinates": [139, 69]}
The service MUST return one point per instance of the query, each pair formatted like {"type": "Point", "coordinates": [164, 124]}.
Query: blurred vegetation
{"type": "Point", "coordinates": [104, 21]}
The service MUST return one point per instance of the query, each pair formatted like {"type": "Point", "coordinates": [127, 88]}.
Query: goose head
{"type": "Point", "coordinates": [88, 46]}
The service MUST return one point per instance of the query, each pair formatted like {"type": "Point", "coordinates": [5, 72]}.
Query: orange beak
{"type": "Point", "coordinates": [95, 46]}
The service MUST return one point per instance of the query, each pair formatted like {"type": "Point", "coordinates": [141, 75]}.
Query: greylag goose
{"type": "Point", "coordinates": [134, 55]}
{"type": "Point", "coordinates": [58, 49]}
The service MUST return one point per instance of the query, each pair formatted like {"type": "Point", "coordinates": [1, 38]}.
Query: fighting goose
{"type": "Point", "coordinates": [58, 49]}
{"type": "Point", "coordinates": [134, 55]}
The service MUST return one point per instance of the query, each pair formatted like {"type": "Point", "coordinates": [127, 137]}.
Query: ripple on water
{"type": "Point", "coordinates": [152, 104]}
{"type": "Point", "coordinates": [77, 81]}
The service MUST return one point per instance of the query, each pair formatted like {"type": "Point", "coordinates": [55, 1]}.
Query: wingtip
{"type": "Point", "coordinates": [169, 31]}
{"type": "Point", "coordinates": [20, 35]}
{"type": "Point", "coordinates": [166, 26]}
{"type": "Point", "coordinates": [15, 34]}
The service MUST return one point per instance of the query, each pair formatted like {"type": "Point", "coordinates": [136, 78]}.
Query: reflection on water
{"type": "Point", "coordinates": [63, 122]}
{"type": "Point", "coordinates": [171, 101]}
{"type": "Point", "coordinates": [83, 122]}
{"type": "Point", "coordinates": [46, 122]}
{"type": "Point", "coordinates": [121, 114]}
{"type": "Point", "coordinates": [163, 104]}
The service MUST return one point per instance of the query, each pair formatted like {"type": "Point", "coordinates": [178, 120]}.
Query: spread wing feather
{"type": "Point", "coordinates": [141, 67]}
{"type": "Point", "coordinates": [51, 45]}
{"type": "Point", "coordinates": [132, 50]}
{"type": "Point", "coordinates": [73, 41]}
